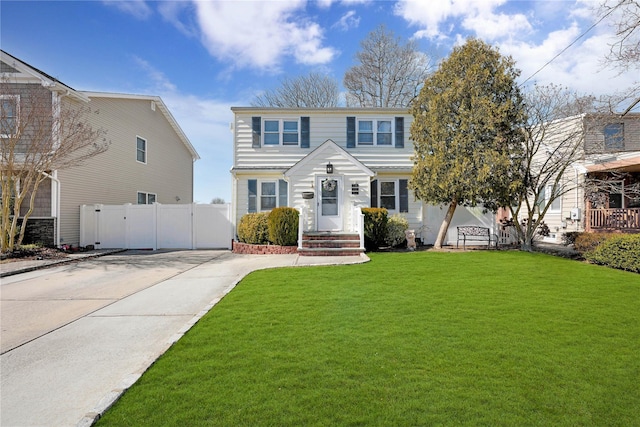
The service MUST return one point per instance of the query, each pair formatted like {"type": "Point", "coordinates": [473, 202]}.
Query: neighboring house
{"type": "Point", "coordinates": [330, 162]}
{"type": "Point", "coordinates": [149, 159]}
{"type": "Point", "coordinates": [610, 153]}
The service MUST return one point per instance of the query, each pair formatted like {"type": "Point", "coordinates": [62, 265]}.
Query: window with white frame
{"type": "Point", "coordinates": [375, 132]}
{"type": "Point", "coordinates": [281, 132]}
{"type": "Point", "coordinates": [9, 115]}
{"type": "Point", "coordinates": [141, 150]}
{"type": "Point", "coordinates": [545, 198]}
{"type": "Point", "coordinates": [145, 198]}
{"type": "Point", "coordinates": [391, 194]}
{"type": "Point", "coordinates": [265, 195]}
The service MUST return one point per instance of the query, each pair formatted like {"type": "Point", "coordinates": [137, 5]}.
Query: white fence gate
{"type": "Point", "coordinates": [156, 226]}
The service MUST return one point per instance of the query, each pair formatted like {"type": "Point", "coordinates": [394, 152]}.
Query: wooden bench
{"type": "Point", "coordinates": [475, 233]}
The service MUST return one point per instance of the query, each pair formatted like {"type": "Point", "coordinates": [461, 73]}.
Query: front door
{"type": "Point", "coordinates": [329, 189]}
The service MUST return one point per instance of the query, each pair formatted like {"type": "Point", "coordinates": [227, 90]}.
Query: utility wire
{"type": "Point", "coordinates": [570, 44]}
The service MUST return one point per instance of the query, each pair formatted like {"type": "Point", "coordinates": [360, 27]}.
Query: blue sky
{"type": "Point", "coordinates": [203, 57]}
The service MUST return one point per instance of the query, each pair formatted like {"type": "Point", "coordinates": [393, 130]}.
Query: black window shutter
{"type": "Point", "coordinates": [351, 132]}
{"type": "Point", "coordinates": [253, 195]}
{"type": "Point", "coordinates": [256, 127]}
{"type": "Point", "coordinates": [374, 193]}
{"type": "Point", "coordinates": [304, 132]}
{"type": "Point", "coordinates": [399, 132]}
{"type": "Point", "coordinates": [404, 195]}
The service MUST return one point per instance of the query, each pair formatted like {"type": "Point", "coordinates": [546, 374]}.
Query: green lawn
{"type": "Point", "coordinates": [424, 338]}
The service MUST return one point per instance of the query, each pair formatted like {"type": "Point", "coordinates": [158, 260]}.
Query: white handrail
{"type": "Point", "coordinates": [301, 220]}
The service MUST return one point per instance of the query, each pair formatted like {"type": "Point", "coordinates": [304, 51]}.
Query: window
{"type": "Point", "coordinates": [390, 194]}
{"type": "Point", "coordinates": [9, 112]}
{"type": "Point", "coordinates": [146, 198]}
{"type": "Point", "coordinates": [266, 195]}
{"type": "Point", "coordinates": [544, 198]}
{"type": "Point", "coordinates": [281, 132]}
{"type": "Point", "coordinates": [141, 150]}
{"type": "Point", "coordinates": [614, 136]}
{"type": "Point", "coordinates": [375, 132]}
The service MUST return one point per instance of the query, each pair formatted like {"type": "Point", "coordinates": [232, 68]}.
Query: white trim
{"type": "Point", "coordinates": [333, 222]}
{"type": "Point", "coordinates": [280, 132]}
{"type": "Point", "coordinates": [320, 152]}
{"type": "Point", "coordinates": [146, 150]}
{"type": "Point", "coordinates": [374, 123]}
{"type": "Point", "coordinates": [17, 114]}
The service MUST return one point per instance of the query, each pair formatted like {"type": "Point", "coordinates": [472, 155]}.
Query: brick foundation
{"type": "Point", "coordinates": [247, 249]}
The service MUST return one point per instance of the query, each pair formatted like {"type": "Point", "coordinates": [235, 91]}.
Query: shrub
{"type": "Point", "coordinates": [375, 227]}
{"type": "Point", "coordinates": [283, 226]}
{"type": "Point", "coordinates": [587, 242]}
{"type": "Point", "coordinates": [621, 251]}
{"type": "Point", "coordinates": [569, 238]}
{"type": "Point", "coordinates": [254, 228]}
{"type": "Point", "coordinates": [396, 227]}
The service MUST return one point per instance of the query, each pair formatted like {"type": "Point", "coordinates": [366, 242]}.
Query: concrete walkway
{"type": "Point", "coordinates": [72, 374]}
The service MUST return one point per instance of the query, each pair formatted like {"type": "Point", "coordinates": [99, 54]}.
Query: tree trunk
{"type": "Point", "coordinates": [442, 233]}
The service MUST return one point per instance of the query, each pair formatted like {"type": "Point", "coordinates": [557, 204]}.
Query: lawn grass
{"type": "Point", "coordinates": [424, 338]}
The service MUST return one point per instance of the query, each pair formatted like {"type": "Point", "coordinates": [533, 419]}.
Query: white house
{"type": "Point", "coordinates": [329, 163]}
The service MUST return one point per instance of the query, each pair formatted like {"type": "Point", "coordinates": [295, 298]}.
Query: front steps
{"type": "Point", "coordinates": [330, 244]}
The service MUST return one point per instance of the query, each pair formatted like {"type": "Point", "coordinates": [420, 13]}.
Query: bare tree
{"type": "Point", "coordinates": [388, 73]}
{"type": "Point", "coordinates": [314, 90]}
{"type": "Point", "coordinates": [217, 201]}
{"type": "Point", "coordinates": [40, 132]}
{"type": "Point", "coordinates": [553, 145]}
{"type": "Point", "coordinates": [624, 16]}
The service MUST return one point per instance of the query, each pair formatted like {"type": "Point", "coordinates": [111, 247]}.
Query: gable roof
{"type": "Point", "coordinates": [160, 105]}
{"type": "Point", "coordinates": [21, 72]}
{"type": "Point", "coordinates": [328, 145]}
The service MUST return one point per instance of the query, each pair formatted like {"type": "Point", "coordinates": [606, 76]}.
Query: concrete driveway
{"type": "Point", "coordinates": [74, 337]}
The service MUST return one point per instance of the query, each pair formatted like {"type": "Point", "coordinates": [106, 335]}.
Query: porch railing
{"type": "Point", "coordinates": [357, 221]}
{"type": "Point", "coordinates": [614, 219]}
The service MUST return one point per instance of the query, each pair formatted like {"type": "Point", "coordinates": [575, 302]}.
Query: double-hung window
{"type": "Point", "coordinates": [141, 150]}
{"type": "Point", "coordinates": [375, 132]}
{"type": "Point", "coordinates": [391, 194]}
{"type": "Point", "coordinates": [614, 136]}
{"type": "Point", "coordinates": [545, 197]}
{"type": "Point", "coordinates": [145, 198]}
{"type": "Point", "coordinates": [281, 132]}
{"type": "Point", "coordinates": [9, 112]}
{"type": "Point", "coordinates": [265, 195]}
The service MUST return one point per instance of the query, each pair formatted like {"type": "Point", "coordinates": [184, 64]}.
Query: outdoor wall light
{"type": "Point", "coordinates": [329, 168]}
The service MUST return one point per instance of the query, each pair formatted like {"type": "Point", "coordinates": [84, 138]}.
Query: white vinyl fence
{"type": "Point", "coordinates": [156, 226]}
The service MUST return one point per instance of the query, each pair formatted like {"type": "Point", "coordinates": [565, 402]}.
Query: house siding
{"type": "Point", "coordinates": [115, 176]}
{"type": "Point", "coordinates": [330, 124]}
{"type": "Point", "coordinates": [594, 133]}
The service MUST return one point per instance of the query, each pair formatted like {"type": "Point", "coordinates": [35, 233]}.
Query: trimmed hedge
{"type": "Point", "coordinates": [254, 228]}
{"type": "Point", "coordinates": [283, 226]}
{"type": "Point", "coordinates": [621, 251]}
{"type": "Point", "coordinates": [396, 227]}
{"type": "Point", "coordinates": [375, 227]}
{"type": "Point", "coordinates": [587, 242]}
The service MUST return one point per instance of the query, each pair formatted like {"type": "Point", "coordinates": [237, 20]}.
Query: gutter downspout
{"type": "Point", "coordinates": [58, 185]}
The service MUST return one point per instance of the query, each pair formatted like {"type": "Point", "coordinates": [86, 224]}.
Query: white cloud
{"type": "Point", "coordinates": [491, 26]}
{"type": "Point", "coordinates": [137, 8]}
{"type": "Point", "coordinates": [261, 34]}
{"type": "Point", "coordinates": [430, 18]}
{"type": "Point", "coordinates": [347, 21]}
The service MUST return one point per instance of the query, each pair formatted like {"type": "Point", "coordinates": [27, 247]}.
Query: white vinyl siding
{"type": "Point", "coordinates": [115, 177]}
{"type": "Point", "coordinates": [324, 125]}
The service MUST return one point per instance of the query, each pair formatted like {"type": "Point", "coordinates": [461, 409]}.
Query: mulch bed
{"type": "Point", "coordinates": [30, 254]}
